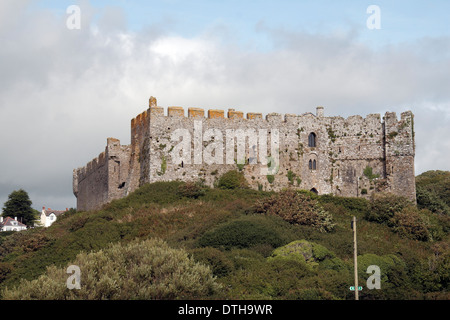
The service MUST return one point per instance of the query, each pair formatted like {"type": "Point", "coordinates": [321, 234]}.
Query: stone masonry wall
{"type": "Point", "coordinates": [352, 157]}
{"type": "Point", "coordinates": [104, 178]}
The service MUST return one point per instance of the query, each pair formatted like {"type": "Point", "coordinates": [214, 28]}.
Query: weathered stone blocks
{"type": "Point", "coordinates": [344, 151]}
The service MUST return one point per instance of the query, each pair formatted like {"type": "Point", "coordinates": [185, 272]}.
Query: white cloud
{"type": "Point", "coordinates": [63, 92]}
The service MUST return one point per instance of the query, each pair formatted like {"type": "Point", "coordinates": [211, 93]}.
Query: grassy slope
{"type": "Point", "coordinates": [158, 210]}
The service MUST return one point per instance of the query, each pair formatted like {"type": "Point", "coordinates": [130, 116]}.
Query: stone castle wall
{"type": "Point", "coordinates": [352, 157]}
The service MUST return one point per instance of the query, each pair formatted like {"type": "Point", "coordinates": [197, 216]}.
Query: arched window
{"type": "Point", "coordinates": [312, 164]}
{"type": "Point", "coordinates": [312, 140]}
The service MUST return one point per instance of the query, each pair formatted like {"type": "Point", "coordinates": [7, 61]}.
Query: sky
{"type": "Point", "coordinates": [64, 91]}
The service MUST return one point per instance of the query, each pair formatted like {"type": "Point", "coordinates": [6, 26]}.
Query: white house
{"type": "Point", "coordinates": [10, 224]}
{"type": "Point", "coordinates": [48, 216]}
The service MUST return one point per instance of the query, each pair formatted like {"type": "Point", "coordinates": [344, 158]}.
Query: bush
{"type": "Point", "coordinates": [303, 251]}
{"type": "Point", "coordinates": [394, 278]}
{"type": "Point", "coordinates": [269, 279]}
{"type": "Point", "coordinates": [382, 207]}
{"type": "Point", "coordinates": [311, 294]}
{"type": "Point", "coordinates": [245, 258]}
{"type": "Point", "coordinates": [410, 223]}
{"type": "Point", "coordinates": [140, 270]}
{"type": "Point", "coordinates": [160, 192]}
{"type": "Point", "coordinates": [232, 180]}
{"type": "Point", "coordinates": [355, 205]}
{"type": "Point", "coordinates": [192, 190]}
{"type": "Point", "coordinates": [216, 259]}
{"type": "Point", "coordinates": [430, 200]}
{"type": "Point", "coordinates": [296, 208]}
{"type": "Point", "coordinates": [433, 273]}
{"type": "Point", "coordinates": [436, 183]}
{"type": "Point", "coordinates": [385, 262]}
{"type": "Point", "coordinates": [5, 269]}
{"type": "Point", "coordinates": [245, 232]}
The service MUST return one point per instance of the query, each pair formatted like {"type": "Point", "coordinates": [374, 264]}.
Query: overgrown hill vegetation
{"type": "Point", "coordinates": [231, 242]}
{"type": "Point", "coordinates": [433, 191]}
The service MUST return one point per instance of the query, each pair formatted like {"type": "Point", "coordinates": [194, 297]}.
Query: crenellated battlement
{"type": "Point", "coordinates": [201, 113]}
{"type": "Point", "coordinates": [332, 161]}
{"type": "Point", "coordinates": [91, 166]}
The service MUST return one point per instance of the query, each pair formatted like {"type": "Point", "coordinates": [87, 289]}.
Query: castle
{"type": "Point", "coordinates": [351, 157]}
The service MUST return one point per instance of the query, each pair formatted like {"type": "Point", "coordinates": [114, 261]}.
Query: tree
{"type": "Point", "coordinates": [19, 205]}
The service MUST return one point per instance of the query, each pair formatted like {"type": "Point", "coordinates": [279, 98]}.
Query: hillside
{"type": "Point", "coordinates": [433, 191]}
{"type": "Point", "coordinates": [257, 245]}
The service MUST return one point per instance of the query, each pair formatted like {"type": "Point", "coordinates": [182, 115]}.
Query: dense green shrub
{"type": "Point", "coordinates": [5, 269]}
{"type": "Point", "coordinates": [393, 277]}
{"type": "Point", "coordinates": [192, 189]}
{"type": "Point", "coordinates": [161, 193]}
{"type": "Point", "coordinates": [411, 223]}
{"type": "Point", "coordinates": [326, 284]}
{"type": "Point", "coordinates": [427, 199]}
{"type": "Point", "coordinates": [269, 279]}
{"type": "Point", "coordinates": [433, 273]}
{"type": "Point", "coordinates": [245, 232]}
{"type": "Point", "coordinates": [216, 259]}
{"type": "Point", "coordinates": [245, 258]}
{"type": "Point", "coordinates": [421, 224]}
{"type": "Point", "coordinates": [385, 262]}
{"type": "Point", "coordinates": [78, 223]}
{"type": "Point", "coordinates": [310, 294]}
{"type": "Point", "coordinates": [304, 251]}
{"type": "Point", "coordinates": [23, 242]}
{"type": "Point", "coordinates": [436, 182]}
{"type": "Point", "coordinates": [382, 207]}
{"type": "Point", "coordinates": [232, 180]}
{"type": "Point", "coordinates": [296, 208]}
{"type": "Point", "coordinates": [336, 264]}
{"type": "Point", "coordinates": [148, 269]}
{"type": "Point", "coordinates": [354, 205]}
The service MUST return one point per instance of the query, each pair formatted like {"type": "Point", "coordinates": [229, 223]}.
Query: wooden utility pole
{"type": "Point", "coordinates": [355, 257]}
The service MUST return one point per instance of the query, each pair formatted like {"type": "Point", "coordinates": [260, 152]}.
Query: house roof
{"type": "Point", "coordinates": [49, 211]}
{"type": "Point", "coordinates": [8, 222]}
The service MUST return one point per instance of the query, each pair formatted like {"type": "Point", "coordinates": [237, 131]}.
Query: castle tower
{"type": "Point", "coordinates": [400, 152]}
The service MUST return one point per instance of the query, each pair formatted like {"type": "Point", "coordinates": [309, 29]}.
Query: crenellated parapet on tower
{"type": "Point", "coordinates": [353, 157]}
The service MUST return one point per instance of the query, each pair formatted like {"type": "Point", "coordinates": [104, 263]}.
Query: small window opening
{"type": "Point", "coordinates": [312, 140]}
